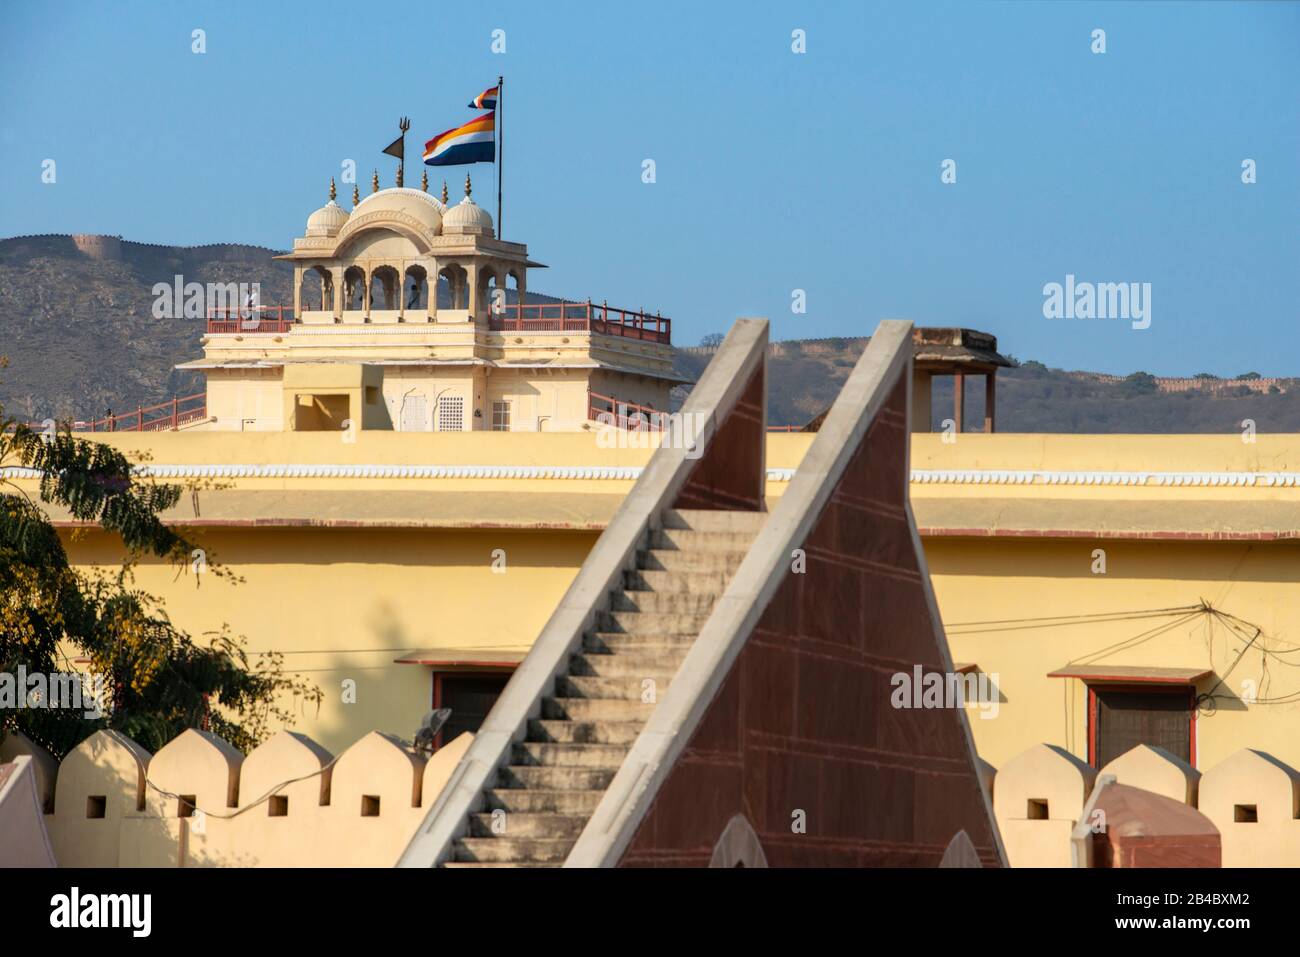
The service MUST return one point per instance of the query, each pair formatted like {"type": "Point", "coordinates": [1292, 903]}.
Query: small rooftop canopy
{"type": "Point", "coordinates": [444, 658]}
{"type": "Point", "coordinates": [948, 350]}
{"type": "Point", "coordinates": [1132, 674]}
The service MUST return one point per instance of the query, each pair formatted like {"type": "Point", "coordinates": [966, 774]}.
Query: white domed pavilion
{"type": "Point", "coordinates": [410, 314]}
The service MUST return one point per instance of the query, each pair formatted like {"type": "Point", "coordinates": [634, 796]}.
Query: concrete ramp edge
{"type": "Point", "coordinates": [706, 409]}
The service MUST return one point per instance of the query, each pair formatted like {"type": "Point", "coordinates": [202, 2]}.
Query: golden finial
{"type": "Point", "coordinates": [468, 188]}
{"type": "Point", "coordinates": [399, 175]}
{"type": "Point", "coordinates": [424, 180]}
{"type": "Point", "coordinates": [356, 195]}
{"type": "Point", "coordinates": [374, 182]}
{"type": "Point", "coordinates": [333, 194]}
{"type": "Point", "coordinates": [444, 192]}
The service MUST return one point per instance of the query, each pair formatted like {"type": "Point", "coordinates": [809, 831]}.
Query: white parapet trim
{"type": "Point", "coordinates": [617, 473]}
{"type": "Point", "coordinates": [630, 473]}
{"type": "Point", "coordinates": [1053, 477]}
{"type": "Point", "coordinates": [716, 394]}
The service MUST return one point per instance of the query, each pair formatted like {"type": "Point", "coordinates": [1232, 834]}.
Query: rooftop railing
{"type": "Point", "coordinates": [580, 317]}
{"type": "Point", "coordinates": [154, 418]}
{"type": "Point", "coordinates": [625, 415]}
{"type": "Point", "coordinates": [250, 319]}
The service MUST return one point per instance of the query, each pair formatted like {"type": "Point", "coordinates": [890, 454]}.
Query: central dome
{"type": "Point", "coordinates": [401, 199]}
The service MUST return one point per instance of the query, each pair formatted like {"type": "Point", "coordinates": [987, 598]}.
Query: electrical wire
{"type": "Point", "coordinates": [238, 811]}
{"type": "Point", "coordinates": [1026, 624]}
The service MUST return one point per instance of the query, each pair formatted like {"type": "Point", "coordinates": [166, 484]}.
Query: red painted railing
{"type": "Point", "coordinates": [580, 317]}
{"type": "Point", "coordinates": [250, 319]}
{"type": "Point", "coordinates": [626, 415]}
{"type": "Point", "coordinates": [154, 418]}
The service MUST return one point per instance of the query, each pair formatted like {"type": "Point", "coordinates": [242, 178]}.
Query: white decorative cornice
{"type": "Point", "coordinates": [625, 473]}
{"type": "Point", "coordinates": [304, 470]}
{"type": "Point", "coordinates": [631, 473]}
{"type": "Point", "coordinates": [1052, 477]}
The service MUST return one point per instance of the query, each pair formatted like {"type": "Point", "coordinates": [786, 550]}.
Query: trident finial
{"type": "Point", "coordinates": [444, 192]}
{"type": "Point", "coordinates": [403, 124]}
{"type": "Point", "coordinates": [469, 189]}
{"type": "Point", "coordinates": [333, 193]}
{"type": "Point", "coordinates": [356, 195]}
{"type": "Point", "coordinates": [424, 180]}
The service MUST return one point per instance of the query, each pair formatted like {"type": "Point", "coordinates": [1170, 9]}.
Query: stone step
{"type": "Point", "coordinates": [583, 732]}
{"type": "Point", "coordinates": [651, 622]}
{"type": "Point", "coordinates": [521, 801]}
{"type": "Point", "coordinates": [568, 754]}
{"type": "Point", "coordinates": [625, 687]}
{"type": "Point", "coordinates": [714, 520]}
{"type": "Point", "coordinates": [555, 779]}
{"type": "Point", "coordinates": [587, 709]}
{"type": "Point", "coordinates": [617, 643]}
{"type": "Point", "coordinates": [712, 582]}
{"type": "Point", "coordinates": [660, 602]}
{"type": "Point", "coordinates": [526, 825]}
{"type": "Point", "coordinates": [685, 540]}
{"type": "Point", "coordinates": [670, 560]}
{"type": "Point", "coordinates": [503, 864]}
{"type": "Point", "coordinates": [628, 663]}
{"type": "Point", "coordinates": [510, 849]}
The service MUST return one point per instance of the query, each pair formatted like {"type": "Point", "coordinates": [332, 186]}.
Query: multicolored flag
{"type": "Point", "coordinates": [487, 100]}
{"type": "Point", "coordinates": [475, 142]}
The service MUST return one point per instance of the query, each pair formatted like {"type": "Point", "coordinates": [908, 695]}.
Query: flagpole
{"type": "Point", "coordinates": [501, 143]}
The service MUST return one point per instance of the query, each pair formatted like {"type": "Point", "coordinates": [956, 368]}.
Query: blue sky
{"type": "Point", "coordinates": [775, 171]}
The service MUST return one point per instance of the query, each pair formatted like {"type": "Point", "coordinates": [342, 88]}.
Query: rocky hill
{"type": "Point", "coordinates": [806, 375]}
{"type": "Point", "coordinates": [76, 321]}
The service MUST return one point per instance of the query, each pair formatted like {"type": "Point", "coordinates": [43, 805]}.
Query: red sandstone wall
{"type": "Point", "coordinates": [732, 475]}
{"type": "Point", "coordinates": [804, 720]}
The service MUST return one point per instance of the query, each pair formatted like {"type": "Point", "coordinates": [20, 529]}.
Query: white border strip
{"type": "Point", "coordinates": [631, 473]}
{"type": "Point", "coordinates": [617, 473]}
{"type": "Point", "coordinates": [1044, 477]}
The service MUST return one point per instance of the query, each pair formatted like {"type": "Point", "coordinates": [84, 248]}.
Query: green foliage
{"type": "Point", "coordinates": [1140, 383]}
{"type": "Point", "coordinates": [159, 680]}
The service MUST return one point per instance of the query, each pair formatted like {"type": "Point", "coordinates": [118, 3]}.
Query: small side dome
{"type": "Point", "coordinates": [467, 218]}
{"type": "Point", "coordinates": [327, 221]}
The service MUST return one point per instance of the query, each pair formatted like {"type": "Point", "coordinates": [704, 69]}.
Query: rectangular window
{"type": "Point", "coordinates": [451, 413]}
{"type": "Point", "coordinates": [415, 413]}
{"type": "Point", "coordinates": [501, 416]}
{"type": "Point", "coordinates": [469, 696]}
{"type": "Point", "coordinates": [1124, 717]}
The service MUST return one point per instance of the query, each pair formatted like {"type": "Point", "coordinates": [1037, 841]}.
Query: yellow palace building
{"type": "Point", "coordinates": [407, 490]}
